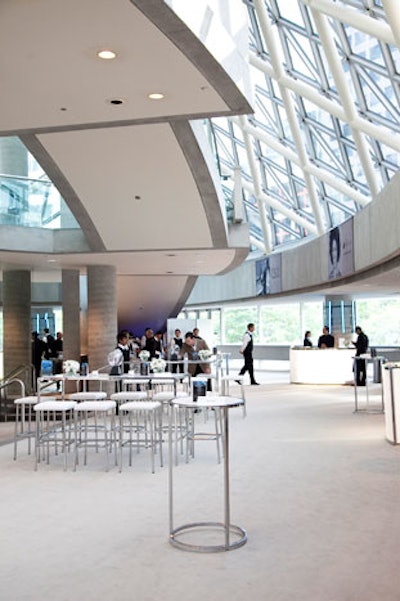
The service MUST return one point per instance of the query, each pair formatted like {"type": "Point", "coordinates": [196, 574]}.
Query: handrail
{"type": "Point", "coordinates": [22, 372]}
{"type": "Point", "coordinates": [6, 383]}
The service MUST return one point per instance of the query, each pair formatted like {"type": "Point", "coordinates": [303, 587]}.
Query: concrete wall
{"type": "Point", "coordinates": [376, 241]}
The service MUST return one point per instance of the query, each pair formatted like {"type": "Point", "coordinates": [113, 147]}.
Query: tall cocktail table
{"type": "Point", "coordinates": [233, 536]}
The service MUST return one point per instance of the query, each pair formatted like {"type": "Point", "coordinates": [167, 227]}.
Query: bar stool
{"type": "Point", "coordinates": [54, 428]}
{"type": "Point", "coordinates": [238, 390]}
{"type": "Point", "coordinates": [23, 420]}
{"type": "Point", "coordinates": [93, 428]}
{"type": "Point", "coordinates": [97, 395]}
{"type": "Point", "coordinates": [142, 421]}
{"type": "Point", "coordinates": [129, 395]}
{"type": "Point", "coordinates": [186, 421]}
{"type": "Point", "coordinates": [140, 384]}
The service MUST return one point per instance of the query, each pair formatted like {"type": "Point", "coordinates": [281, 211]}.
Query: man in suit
{"type": "Point", "coordinates": [361, 345]}
{"type": "Point", "coordinates": [326, 340]}
{"type": "Point", "coordinates": [247, 351]}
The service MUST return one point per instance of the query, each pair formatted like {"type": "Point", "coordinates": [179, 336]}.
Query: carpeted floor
{"type": "Point", "coordinates": [316, 486]}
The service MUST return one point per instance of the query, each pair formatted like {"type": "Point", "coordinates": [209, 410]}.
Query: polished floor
{"type": "Point", "coordinates": [316, 486]}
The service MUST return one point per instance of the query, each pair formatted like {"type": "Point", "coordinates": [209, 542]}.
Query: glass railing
{"type": "Point", "coordinates": [31, 202]}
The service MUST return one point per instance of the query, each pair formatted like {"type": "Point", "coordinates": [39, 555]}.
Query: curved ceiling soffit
{"type": "Point", "coordinates": [169, 23]}
{"type": "Point", "coordinates": [196, 161]}
{"type": "Point", "coordinates": [69, 195]}
{"type": "Point", "coordinates": [189, 136]}
{"type": "Point", "coordinates": [190, 282]}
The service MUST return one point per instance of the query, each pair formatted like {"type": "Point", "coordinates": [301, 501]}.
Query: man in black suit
{"type": "Point", "coordinates": [361, 345]}
{"type": "Point", "coordinates": [326, 340]}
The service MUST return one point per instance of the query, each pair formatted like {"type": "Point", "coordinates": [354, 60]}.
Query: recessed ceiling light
{"type": "Point", "coordinates": [52, 260]}
{"type": "Point", "coordinates": [156, 96]}
{"type": "Point", "coordinates": [106, 54]}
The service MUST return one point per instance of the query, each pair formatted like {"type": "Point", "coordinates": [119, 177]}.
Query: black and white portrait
{"type": "Point", "coordinates": [263, 277]}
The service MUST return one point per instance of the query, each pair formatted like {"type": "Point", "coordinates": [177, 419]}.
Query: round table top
{"type": "Point", "coordinates": [208, 402]}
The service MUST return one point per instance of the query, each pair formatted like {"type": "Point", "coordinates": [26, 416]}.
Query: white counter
{"type": "Point", "coordinates": [321, 366]}
{"type": "Point", "coordinates": [391, 401]}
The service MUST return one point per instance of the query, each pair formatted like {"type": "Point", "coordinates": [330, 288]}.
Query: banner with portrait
{"type": "Point", "coordinates": [341, 250]}
{"type": "Point", "coordinates": [269, 275]}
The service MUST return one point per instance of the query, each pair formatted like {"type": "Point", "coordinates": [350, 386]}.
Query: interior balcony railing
{"type": "Point", "coordinates": [28, 202]}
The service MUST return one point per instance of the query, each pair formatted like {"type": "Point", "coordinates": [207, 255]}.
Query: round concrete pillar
{"type": "Point", "coordinates": [17, 319]}
{"type": "Point", "coordinates": [101, 313]}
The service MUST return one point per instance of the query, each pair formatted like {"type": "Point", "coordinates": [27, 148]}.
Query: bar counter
{"type": "Point", "coordinates": [321, 366]}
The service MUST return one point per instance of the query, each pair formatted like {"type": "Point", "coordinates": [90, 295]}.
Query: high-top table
{"type": "Point", "coordinates": [229, 531]}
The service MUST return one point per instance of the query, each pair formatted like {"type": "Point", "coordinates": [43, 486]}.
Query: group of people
{"type": "Point", "coordinates": [49, 348]}
{"type": "Point", "coordinates": [178, 349]}
{"type": "Point", "coordinates": [326, 340]}
{"type": "Point", "coordinates": [181, 348]}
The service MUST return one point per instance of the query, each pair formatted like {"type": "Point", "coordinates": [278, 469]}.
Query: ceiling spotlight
{"type": "Point", "coordinates": [116, 101]}
{"type": "Point", "coordinates": [156, 96]}
{"type": "Point", "coordinates": [106, 54]}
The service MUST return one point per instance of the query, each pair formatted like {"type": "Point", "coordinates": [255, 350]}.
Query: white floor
{"type": "Point", "coordinates": [316, 486]}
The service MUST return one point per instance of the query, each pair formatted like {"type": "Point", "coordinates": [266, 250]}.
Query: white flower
{"type": "Point", "coordinates": [71, 367]}
{"type": "Point", "coordinates": [158, 365]}
{"type": "Point", "coordinates": [204, 354]}
{"type": "Point", "coordinates": [144, 356]}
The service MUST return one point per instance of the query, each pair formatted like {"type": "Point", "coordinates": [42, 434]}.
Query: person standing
{"type": "Point", "coordinates": [159, 348]}
{"type": "Point", "coordinates": [307, 339]}
{"type": "Point", "coordinates": [175, 347]}
{"type": "Point", "coordinates": [38, 349]}
{"type": "Point", "coordinates": [326, 340]}
{"type": "Point", "coordinates": [57, 352]}
{"type": "Point", "coordinates": [360, 365]}
{"type": "Point", "coordinates": [247, 351]}
{"type": "Point", "coordinates": [48, 341]}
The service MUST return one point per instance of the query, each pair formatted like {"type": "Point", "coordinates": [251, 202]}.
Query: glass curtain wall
{"type": "Point", "coordinates": [286, 323]}
{"type": "Point", "coordinates": [323, 139]}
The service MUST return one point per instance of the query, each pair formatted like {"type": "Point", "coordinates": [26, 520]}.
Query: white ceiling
{"type": "Point", "coordinates": [133, 173]}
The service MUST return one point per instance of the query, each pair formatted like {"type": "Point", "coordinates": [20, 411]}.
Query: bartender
{"type": "Point", "coordinates": [326, 340]}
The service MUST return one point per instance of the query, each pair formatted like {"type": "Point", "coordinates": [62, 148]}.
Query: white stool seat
{"type": "Point", "coordinates": [95, 406]}
{"type": "Point", "coordinates": [27, 400]}
{"type": "Point", "coordinates": [55, 406]}
{"type": "Point", "coordinates": [164, 395]}
{"type": "Point", "coordinates": [137, 405]}
{"type": "Point", "coordinates": [97, 395]}
{"type": "Point", "coordinates": [128, 395]}
{"type": "Point", "coordinates": [142, 383]}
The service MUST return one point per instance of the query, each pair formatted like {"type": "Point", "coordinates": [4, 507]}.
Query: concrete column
{"type": "Point", "coordinates": [102, 313]}
{"type": "Point", "coordinates": [17, 319]}
{"type": "Point", "coordinates": [71, 314]}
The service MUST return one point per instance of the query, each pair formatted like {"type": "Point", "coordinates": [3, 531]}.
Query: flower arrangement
{"type": "Point", "coordinates": [204, 354]}
{"type": "Point", "coordinates": [144, 356]}
{"type": "Point", "coordinates": [157, 365]}
{"type": "Point", "coordinates": [71, 367]}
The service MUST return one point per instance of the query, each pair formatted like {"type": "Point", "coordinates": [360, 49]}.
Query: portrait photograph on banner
{"type": "Point", "coordinates": [263, 277]}
{"type": "Point", "coordinates": [340, 251]}
{"type": "Point", "coordinates": [268, 275]}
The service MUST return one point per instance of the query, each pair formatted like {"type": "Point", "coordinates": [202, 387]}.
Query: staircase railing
{"type": "Point", "coordinates": [18, 382]}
